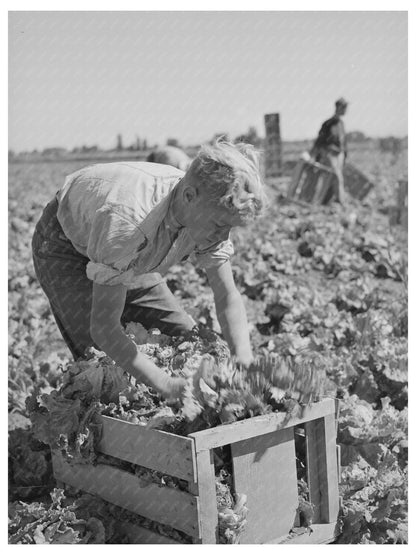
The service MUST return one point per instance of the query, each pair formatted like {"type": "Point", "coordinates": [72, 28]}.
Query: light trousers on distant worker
{"type": "Point", "coordinates": [336, 162]}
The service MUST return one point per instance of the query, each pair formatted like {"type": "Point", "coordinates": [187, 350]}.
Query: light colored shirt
{"type": "Point", "coordinates": [118, 215]}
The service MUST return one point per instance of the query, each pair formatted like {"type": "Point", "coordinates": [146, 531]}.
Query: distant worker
{"type": "Point", "coordinates": [172, 156]}
{"type": "Point", "coordinates": [330, 148]}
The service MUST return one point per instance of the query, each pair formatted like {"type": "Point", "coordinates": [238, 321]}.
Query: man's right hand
{"type": "Point", "coordinates": [174, 389]}
{"type": "Point", "coordinates": [105, 328]}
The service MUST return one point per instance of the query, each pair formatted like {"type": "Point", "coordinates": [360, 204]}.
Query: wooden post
{"type": "Point", "coordinates": [205, 489]}
{"type": "Point", "coordinates": [273, 161]}
{"type": "Point", "coordinates": [322, 468]}
{"type": "Point", "coordinates": [402, 201]}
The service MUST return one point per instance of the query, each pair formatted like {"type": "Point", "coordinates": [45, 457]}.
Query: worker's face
{"type": "Point", "coordinates": [341, 109]}
{"type": "Point", "coordinates": [209, 222]}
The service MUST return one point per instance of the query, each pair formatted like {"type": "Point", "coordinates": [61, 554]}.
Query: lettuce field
{"type": "Point", "coordinates": [325, 289]}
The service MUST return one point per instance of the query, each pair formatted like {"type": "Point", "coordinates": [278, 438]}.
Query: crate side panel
{"type": "Point", "coordinates": [265, 470]}
{"type": "Point", "coordinates": [153, 449]}
{"type": "Point", "coordinates": [260, 425]}
{"type": "Point", "coordinates": [165, 505]}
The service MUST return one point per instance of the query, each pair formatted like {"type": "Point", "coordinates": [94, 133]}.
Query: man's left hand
{"type": "Point", "coordinates": [245, 360]}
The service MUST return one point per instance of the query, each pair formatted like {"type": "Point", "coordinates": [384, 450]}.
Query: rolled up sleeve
{"type": "Point", "coordinates": [215, 255]}
{"type": "Point", "coordinates": [105, 274]}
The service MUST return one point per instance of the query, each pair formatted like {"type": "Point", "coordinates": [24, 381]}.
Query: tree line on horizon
{"type": "Point", "coordinates": [386, 144]}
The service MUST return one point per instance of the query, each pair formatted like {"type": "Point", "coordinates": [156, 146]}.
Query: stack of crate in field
{"type": "Point", "coordinates": [264, 452]}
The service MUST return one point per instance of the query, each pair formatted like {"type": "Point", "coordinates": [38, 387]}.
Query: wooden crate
{"type": "Point", "coordinates": [264, 469]}
{"type": "Point", "coordinates": [313, 182]}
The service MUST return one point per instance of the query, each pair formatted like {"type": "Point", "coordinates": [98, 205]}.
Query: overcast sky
{"type": "Point", "coordinates": [83, 77]}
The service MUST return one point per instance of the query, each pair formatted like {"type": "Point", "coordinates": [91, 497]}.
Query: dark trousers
{"type": "Point", "coordinates": [61, 271]}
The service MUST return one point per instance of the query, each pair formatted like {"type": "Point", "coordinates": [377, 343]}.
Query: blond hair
{"type": "Point", "coordinates": [229, 175]}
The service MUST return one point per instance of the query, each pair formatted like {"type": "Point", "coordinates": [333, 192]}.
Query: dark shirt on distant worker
{"type": "Point", "coordinates": [331, 136]}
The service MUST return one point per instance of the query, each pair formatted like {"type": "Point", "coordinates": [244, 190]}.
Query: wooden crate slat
{"type": "Point", "coordinates": [296, 176]}
{"type": "Point", "coordinates": [139, 535]}
{"type": "Point", "coordinates": [320, 534]}
{"type": "Point", "coordinates": [153, 449]}
{"type": "Point", "coordinates": [265, 470]}
{"type": "Point", "coordinates": [322, 467]}
{"type": "Point", "coordinates": [165, 505]}
{"type": "Point", "coordinates": [312, 469]}
{"type": "Point", "coordinates": [205, 488]}
{"type": "Point", "coordinates": [339, 463]}
{"type": "Point", "coordinates": [260, 425]}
